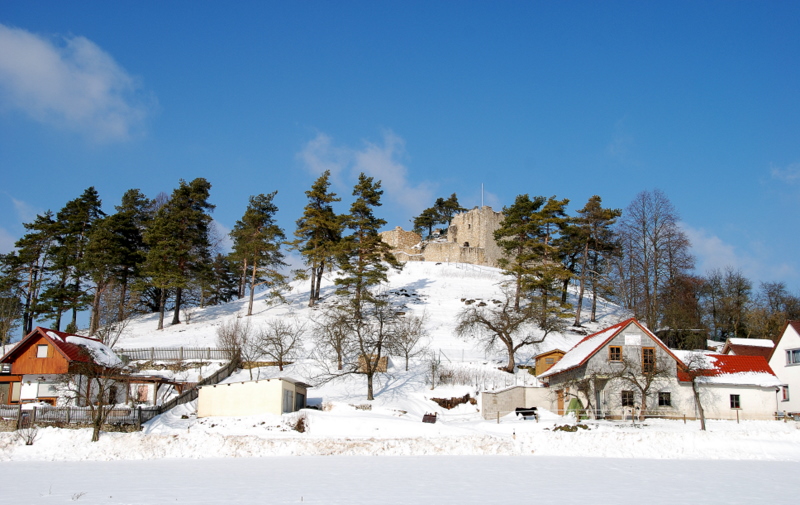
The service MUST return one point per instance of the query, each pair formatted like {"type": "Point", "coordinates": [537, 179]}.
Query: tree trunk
{"type": "Point", "coordinates": [243, 279]}
{"type": "Point", "coordinates": [511, 362]}
{"type": "Point", "coordinates": [320, 271]}
{"type": "Point", "coordinates": [582, 288]}
{"type": "Point", "coordinates": [94, 321]}
{"type": "Point", "coordinates": [252, 289]}
{"type": "Point", "coordinates": [313, 284]}
{"type": "Point", "coordinates": [369, 384]}
{"type": "Point", "coordinates": [162, 303]}
{"type": "Point", "coordinates": [699, 405]}
{"type": "Point", "coordinates": [176, 314]}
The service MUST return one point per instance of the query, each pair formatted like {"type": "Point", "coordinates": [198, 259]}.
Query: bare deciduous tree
{"type": "Point", "coordinates": [695, 367]}
{"type": "Point", "coordinates": [88, 384]}
{"type": "Point", "coordinates": [331, 335]}
{"type": "Point", "coordinates": [643, 376]}
{"type": "Point", "coordinates": [654, 251]}
{"type": "Point", "coordinates": [409, 330]}
{"type": "Point", "coordinates": [502, 323]}
{"type": "Point", "coordinates": [280, 340]}
{"type": "Point", "coordinates": [235, 337]}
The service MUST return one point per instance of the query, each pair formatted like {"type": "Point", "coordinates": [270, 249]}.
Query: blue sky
{"type": "Point", "coordinates": [698, 99]}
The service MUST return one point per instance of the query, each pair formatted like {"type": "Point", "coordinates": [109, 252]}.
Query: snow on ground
{"type": "Point", "coordinates": [391, 424]}
{"type": "Point", "coordinates": [435, 290]}
{"type": "Point", "coordinates": [403, 480]}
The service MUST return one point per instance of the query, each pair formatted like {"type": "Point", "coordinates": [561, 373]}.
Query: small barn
{"type": "Point", "coordinates": [269, 396]}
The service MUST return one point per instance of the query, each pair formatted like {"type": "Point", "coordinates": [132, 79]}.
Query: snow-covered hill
{"type": "Point", "coordinates": [433, 289]}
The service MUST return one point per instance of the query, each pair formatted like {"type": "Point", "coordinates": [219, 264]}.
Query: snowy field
{"type": "Point", "coordinates": [479, 480]}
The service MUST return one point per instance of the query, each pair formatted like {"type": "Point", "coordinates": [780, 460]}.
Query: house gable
{"type": "Point", "coordinates": [37, 354]}
{"type": "Point", "coordinates": [593, 352]}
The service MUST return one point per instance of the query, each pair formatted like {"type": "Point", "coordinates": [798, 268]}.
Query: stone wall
{"type": "Point", "coordinates": [470, 239]}
{"type": "Point", "coordinates": [475, 229]}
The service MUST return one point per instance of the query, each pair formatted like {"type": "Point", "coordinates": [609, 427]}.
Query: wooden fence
{"type": "Point", "coordinates": [173, 353]}
{"type": "Point", "coordinates": [117, 416]}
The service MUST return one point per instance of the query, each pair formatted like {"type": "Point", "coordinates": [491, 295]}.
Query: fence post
{"type": "Point", "coordinates": [139, 417]}
{"type": "Point", "coordinates": [180, 353]}
{"type": "Point", "coordinates": [19, 416]}
{"type": "Point", "coordinates": [33, 416]}
{"type": "Point", "coordinates": [498, 417]}
{"type": "Point", "coordinates": [737, 416]}
{"type": "Point", "coordinates": [69, 411]}
{"type": "Point", "coordinates": [152, 353]}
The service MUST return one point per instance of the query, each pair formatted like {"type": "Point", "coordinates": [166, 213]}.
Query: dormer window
{"type": "Point", "coordinates": [41, 351]}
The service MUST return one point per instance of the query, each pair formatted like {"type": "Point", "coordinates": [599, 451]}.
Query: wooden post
{"type": "Point", "coordinates": [139, 417]}
{"type": "Point", "coordinates": [69, 412]}
{"type": "Point", "coordinates": [19, 416]}
{"type": "Point", "coordinates": [684, 419]}
{"type": "Point", "coordinates": [180, 355]}
{"type": "Point", "coordinates": [152, 353]}
{"type": "Point", "coordinates": [737, 416]}
{"type": "Point", "coordinates": [498, 417]}
{"type": "Point", "coordinates": [33, 417]}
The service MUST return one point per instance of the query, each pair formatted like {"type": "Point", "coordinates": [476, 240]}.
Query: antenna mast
{"type": "Point", "coordinates": [481, 195]}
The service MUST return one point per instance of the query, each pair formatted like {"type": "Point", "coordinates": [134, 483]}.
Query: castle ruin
{"type": "Point", "coordinates": [470, 239]}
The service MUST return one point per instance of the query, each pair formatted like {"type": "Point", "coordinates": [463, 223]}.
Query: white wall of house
{"type": "Point", "coordinates": [788, 373]}
{"type": "Point", "coordinates": [507, 400]}
{"type": "Point", "coordinates": [273, 396]}
{"type": "Point", "coordinates": [755, 402]}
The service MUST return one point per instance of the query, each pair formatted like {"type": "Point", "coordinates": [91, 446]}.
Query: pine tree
{"type": "Point", "coordinates": [72, 227]}
{"type": "Point", "coordinates": [518, 237]}
{"type": "Point", "coordinates": [364, 258]}
{"type": "Point", "coordinates": [442, 212]}
{"type": "Point", "coordinates": [178, 242]}
{"type": "Point", "coordinates": [22, 272]}
{"type": "Point", "coordinates": [257, 239]}
{"type": "Point", "coordinates": [596, 233]}
{"type": "Point", "coordinates": [318, 232]}
{"type": "Point", "coordinates": [224, 286]}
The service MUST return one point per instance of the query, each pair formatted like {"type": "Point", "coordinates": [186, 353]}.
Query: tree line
{"type": "Point", "coordinates": [162, 255]}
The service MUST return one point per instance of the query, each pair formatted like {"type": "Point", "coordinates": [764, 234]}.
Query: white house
{"type": "Point", "coordinates": [785, 361]}
{"type": "Point", "coordinates": [269, 396]}
{"type": "Point", "coordinates": [609, 370]}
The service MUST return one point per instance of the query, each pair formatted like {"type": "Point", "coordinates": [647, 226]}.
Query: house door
{"type": "Point", "coordinates": [560, 393]}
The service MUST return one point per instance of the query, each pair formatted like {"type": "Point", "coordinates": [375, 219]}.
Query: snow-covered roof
{"type": "Point", "coordinates": [753, 342]}
{"type": "Point", "coordinates": [728, 369]}
{"type": "Point", "coordinates": [585, 348]}
{"type": "Point", "coordinates": [73, 347]}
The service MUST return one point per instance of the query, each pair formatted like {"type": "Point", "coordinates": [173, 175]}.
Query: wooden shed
{"type": "Point", "coordinates": [268, 396]}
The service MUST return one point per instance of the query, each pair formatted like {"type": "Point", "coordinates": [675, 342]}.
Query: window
{"type": "Point", "coordinates": [614, 353]}
{"type": "Point", "coordinates": [550, 361]}
{"type": "Point", "coordinates": [664, 399]}
{"type": "Point", "coordinates": [793, 357]}
{"type": "Point", "coordinates": [784, 393]}
{"type": "Point", "coordinates": [735, 402]}
{"type": "Point", "coordinates": [627, 398]}
{"type": "Point", "coordinates": [648, 359]}
{"type": "Point", "coordinates": [41, 351]}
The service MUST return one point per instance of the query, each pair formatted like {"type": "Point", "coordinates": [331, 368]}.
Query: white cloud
{"type": "Point", "coordinates": [220, 237]}
{"type": "Point", "coordinates": [711, 252]}
{"type": "Point", "coordinates": [380, 161]}
{"type": "Point", "coordinates": [71, 83]}
{"type": "Point", "coordinates": [6, 241]}
{"type": "Point", "coordinates": [25, 212]}
{"type": "Point", "coordinates": [790, 174]}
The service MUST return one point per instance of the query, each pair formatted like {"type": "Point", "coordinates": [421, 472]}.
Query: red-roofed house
{"type": "Point", "coordinates": [785, 360]}
{"type": "Point", "coordinates": [749, 347]}
{"type": "Point", "coordinates": [33, 370]}
{"type": "Point", "coordinates": [595, 371]}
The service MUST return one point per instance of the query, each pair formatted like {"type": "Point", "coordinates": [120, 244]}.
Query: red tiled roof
{"type": "Point", "coordinates": [749, 350]}
{"type": "Point", "coordinates": [729, 364]}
